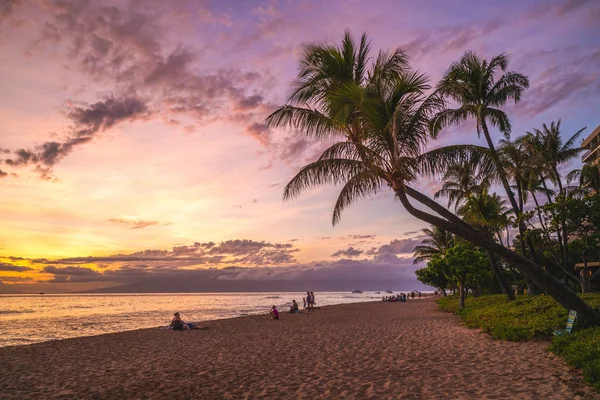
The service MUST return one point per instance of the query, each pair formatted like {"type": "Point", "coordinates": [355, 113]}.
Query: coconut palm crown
{"type": "Point", "coordinates": [436, 241]}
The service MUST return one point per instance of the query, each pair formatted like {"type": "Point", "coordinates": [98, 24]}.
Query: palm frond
{"type": "Point", "coordinates": [447, 118]}
{"type": "Point", "coordinates": [322, 172]}
{"type": "Point", "coordinates": [499, 119]}
{"type": "Point", "coordinates": [438, 160]}
{"type": "Point", "coordinates": [310, 122]}
{"type": "Point", "coordinates": [361, 185]}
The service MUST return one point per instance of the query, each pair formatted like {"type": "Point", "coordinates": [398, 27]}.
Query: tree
{"type": "Point", "coordinates": [473, 85]}
{"type": "Point", "coordinates": [467, 265]}
{"type": "Point", "coordinates": [434, 275]}
{"type": "Point", "coordinates": [462, 264]}
{"type": "Point", "coordinates": [581, 218]}
{"type": "Point", "coordinates": [437, 241]}
{"type": "Point", "coordinates": [382, 127]}
{"type": "Point", "coordinates": [588, 178]}
{"type": "Point", "coordinates": [462, 180]}
{"type": "Point", "coordinates": [515, 163]}
{"type": "Point", "coordinates": [549, 153]}
{"type": "Point", "coordinates": [487, 213]}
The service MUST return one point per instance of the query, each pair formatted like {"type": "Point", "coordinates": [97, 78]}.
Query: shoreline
{"type": "Point", "coordinates": [358, 350]}
{"type": "Point", "coordinates": [163, 327]}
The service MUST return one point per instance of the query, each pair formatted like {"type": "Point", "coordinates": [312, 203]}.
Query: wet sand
{"type": "Point", "coordinates": [352, 351]}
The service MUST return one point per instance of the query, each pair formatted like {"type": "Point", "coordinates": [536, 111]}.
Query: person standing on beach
{"type": "Point", "coordinates": [304, 303]}
{"type": "Point", "coordinates": [308, 301]}
{"type": "Point", "coordinates": [312, 299]}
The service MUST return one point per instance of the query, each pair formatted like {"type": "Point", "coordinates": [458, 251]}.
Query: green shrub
{"type": "Point", "coordinates": [522, 319]}
{"type": "Point", "coordinates": [582, 350]}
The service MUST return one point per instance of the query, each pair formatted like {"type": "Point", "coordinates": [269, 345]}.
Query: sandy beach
{"type": "Point", "coordinates": [353, 351]}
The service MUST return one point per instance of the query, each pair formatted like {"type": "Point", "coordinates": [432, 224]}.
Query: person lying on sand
{"type": "Point", "coordinates": [274, 314]}
{"type": "Point", "coordinates": [294, 308]}
{"type": "Point", "coordinates": [177, 324]}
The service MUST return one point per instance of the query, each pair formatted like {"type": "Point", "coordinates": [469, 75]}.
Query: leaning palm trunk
{"type": "Point", "coordinates": [566, 298]}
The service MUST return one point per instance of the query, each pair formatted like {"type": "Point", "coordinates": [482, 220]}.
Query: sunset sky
{"type": "Point", "coordinates": [132, 132]}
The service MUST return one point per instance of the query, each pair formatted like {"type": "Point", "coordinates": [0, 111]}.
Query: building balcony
{"type": "Point", "coordinates": [592, 139]}
{"type": "Point", "coordinates": [591, 155]}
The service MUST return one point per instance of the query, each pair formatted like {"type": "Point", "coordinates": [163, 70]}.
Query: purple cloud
{"type": "Point", "coordinates": [122, 49]}
{"type": "Point", "coordinates": [396, 246]}
{"type": "Point", "coordinates": [349, 252]}
{"type": "Point", "coordinates": [15, 268]}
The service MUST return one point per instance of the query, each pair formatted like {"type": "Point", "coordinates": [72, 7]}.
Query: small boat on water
{"type": "Point", "coordinates": [357, 291]}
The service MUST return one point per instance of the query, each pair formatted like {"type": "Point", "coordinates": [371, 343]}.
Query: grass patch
{"type": "Point", "coordinates": [531, 316]}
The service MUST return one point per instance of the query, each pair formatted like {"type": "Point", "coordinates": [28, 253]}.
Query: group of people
{"type": "Point", "coordinates": [309, 300]}
{"type": "Point", "coordinates": [401, 297]}
{"type": "Point", "coordinates": [308, 304]}
{"type": "Point", "coordinates": [177, 324]}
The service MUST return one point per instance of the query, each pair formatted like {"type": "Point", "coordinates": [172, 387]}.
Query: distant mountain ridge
{"type": "Point", "coordinates": [183, 286]}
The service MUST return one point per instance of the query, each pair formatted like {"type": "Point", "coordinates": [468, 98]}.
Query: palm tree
{"type": "Point", "coordinates": [462, 180]}
{"type": "Point", "coordinates": [381, 124]}
{"type": "Point", "coordinates": [437, 241]}
{"type": "Point", "coordinates": [471, 83]}
{"type": "Point", "coordinates": [552, 152]}
{"type": "Point", "coordinates": [538, 175]}
{"type": "Point", "coordinates": [515, 163]}
{"type": "Point", "coordinates": [588, 178]}
{"type": "Point", "coordinates": [327, 73]}
{"type": "Point", "coordinates": [487, 212]}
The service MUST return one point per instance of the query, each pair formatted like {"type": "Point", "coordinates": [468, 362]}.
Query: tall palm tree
{"type": "Point", "coordinates": [551, 153]}
{"type": "Point", "coordinates": [437, 241]}
{"type": "Point", "coordinates": [382, 127]}
{"type": "Point", "coordinates": [479, 90]}
{"type": "Point", "coordinates": [487, 212]}
{"type": "Point", "coordinates": [538, 176]}
{"type": "Point", "coordinates": [473, 84]}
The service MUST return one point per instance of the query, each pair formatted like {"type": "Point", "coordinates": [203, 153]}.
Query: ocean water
{"type": "Point", "coordinates": [26, 319]}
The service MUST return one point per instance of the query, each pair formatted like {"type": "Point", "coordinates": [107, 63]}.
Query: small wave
{"type": "Point", "coordinates": [273, 297]}
{"type": "Point", "coordinates": [81, 307]}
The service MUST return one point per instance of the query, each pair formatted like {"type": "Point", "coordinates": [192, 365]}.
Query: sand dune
{"type": "Point", "coordinates": [354, 351]}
